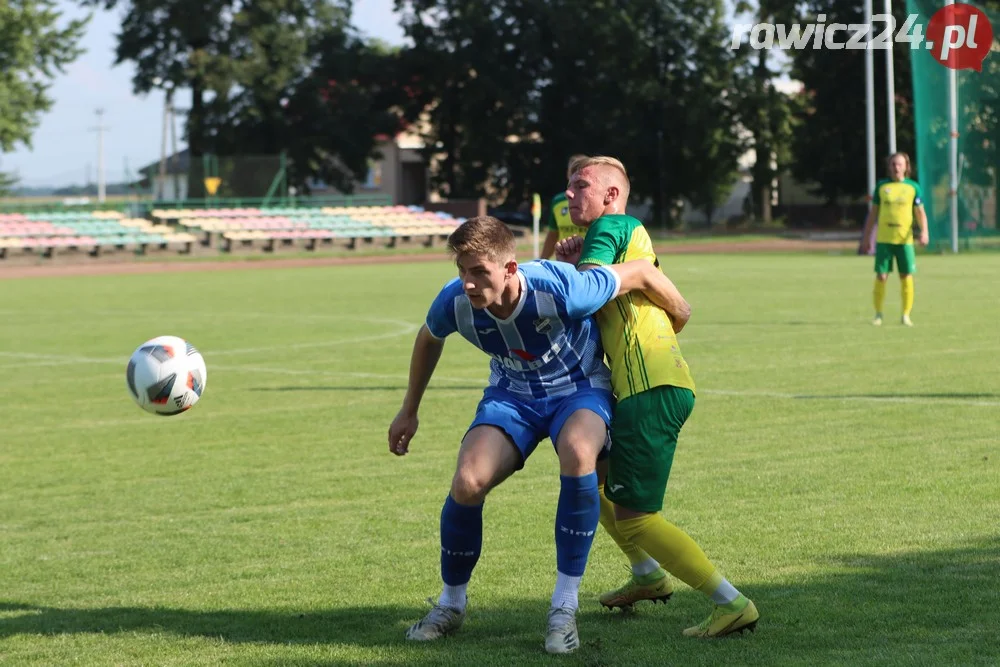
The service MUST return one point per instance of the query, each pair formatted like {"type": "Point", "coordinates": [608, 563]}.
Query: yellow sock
{"type": "Point", "coordinates": [671, 547]}
{"type": "Point", "coordinates": [634, 554]}
{"type": "Point", "coordinates": [906, 286]}
{"type": "Point", "coordinates": [879, 294]}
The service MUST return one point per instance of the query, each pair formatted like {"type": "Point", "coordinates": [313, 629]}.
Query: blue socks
{"type": "Point", "coordinates": [577, 516]}
{"type": "Point", "coordinates": [461, 541]}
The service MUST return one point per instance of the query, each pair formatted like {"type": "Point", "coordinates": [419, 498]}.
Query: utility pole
{"type": "Point", "coordinates": [169, 129]}
{"type": "Point", "coordinates": [100, 154]}
{"type": "Point", "coordinates": [175, 157]}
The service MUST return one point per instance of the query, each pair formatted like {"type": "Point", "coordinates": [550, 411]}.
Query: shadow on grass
{"type": "Point", "coordinates": [935, 608]}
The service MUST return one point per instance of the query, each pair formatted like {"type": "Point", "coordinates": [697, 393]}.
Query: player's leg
{"type": "Point", "coordinates": [883, 267]}
{"type": "Point", "coordinates": [640, 561]}
{"type": "Point", "coordinates": [906, 258]}
{"type": "Point", "coordinates": [501, 437]}
{"type": "Point", "coordinates": [579, 430]}
{"type": "Point", "coordinates": [646, 428]}
{"type": "Point", "coordinates": [648, 581]}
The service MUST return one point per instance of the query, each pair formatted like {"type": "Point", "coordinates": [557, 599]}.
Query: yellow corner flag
{"type": "Point", "coordinates": [536, 217]}
{"type": "Point", "coordinates": [212, 184]}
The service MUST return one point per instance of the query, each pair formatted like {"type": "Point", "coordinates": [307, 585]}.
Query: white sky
{"type": "Point", "coordinates": [65, 147]}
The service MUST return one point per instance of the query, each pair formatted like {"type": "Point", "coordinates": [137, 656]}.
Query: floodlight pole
{"type": "Point", "coordinates": [890, 86]}
{"type": "Point", "coordinates": [162, 189]}
{"type": "Point", "coordinates": [953, 149]}
{"type": "Point", "coordinates": [100, 155]}
{"type": "Point", "coordinates": [870, 103]}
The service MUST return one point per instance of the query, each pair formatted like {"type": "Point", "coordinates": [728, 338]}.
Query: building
{"type": "Point", "coordinates": [399, 173]}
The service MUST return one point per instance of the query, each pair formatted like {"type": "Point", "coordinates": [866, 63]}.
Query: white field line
{"type": "Point", "coordinates": [30, 359]}
{"type": "Point", "coordinates": [142, 420]}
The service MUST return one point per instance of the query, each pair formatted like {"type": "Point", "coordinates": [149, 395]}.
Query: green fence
{"type": "Point", "coordinates": [977, 106]}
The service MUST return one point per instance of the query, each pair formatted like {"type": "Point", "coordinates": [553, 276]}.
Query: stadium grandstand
{"type": "Point", "coordinates": [221, 228]}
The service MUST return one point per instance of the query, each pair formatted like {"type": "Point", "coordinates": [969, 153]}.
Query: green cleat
{"type": "Point", "coordinates": [723, 622]}
{"type": "Point", "coordinates": [654, 586]}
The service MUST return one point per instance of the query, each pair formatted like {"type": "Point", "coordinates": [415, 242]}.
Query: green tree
{"type": "Point", "coordinates": [7, 183]}
{"type": "Point", "coordinates": [829, 144]}
{"type": "Point", "coordinates": [766, 113]}
{"type": "Point", "coordinates": [33, 47]}
{"type": "Point", "coordinates": [517, 86]}
{"type": "Point", "coordinates": [312, 89]}
{"type": "Point", "coordinates": [478, 75]}
{"type": "Point", "coordinates": [256, 72]}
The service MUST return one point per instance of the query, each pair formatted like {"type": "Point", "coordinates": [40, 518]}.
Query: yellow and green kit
{"type": "Point", "coordinates": [649, 375]}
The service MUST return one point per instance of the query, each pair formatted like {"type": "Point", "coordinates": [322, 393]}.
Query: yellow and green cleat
{"type": "Point", "coordinates": [654, 586]}
{"type": "Point", "coordinates": [726, 620]}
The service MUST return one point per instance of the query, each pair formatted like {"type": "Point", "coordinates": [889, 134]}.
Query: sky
{"type": "Point", "coordinates": [65, 143]}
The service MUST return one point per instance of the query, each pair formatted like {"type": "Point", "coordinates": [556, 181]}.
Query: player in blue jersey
{"type": "Point", "coordinates": [548, 379]}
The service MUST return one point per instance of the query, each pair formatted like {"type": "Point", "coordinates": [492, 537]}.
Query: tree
{"type": "Point", "coordinates": [479, 67]}
{"type": "Point", "coordinates": [311, 89]}
{"type": "Point", "coordinates": [766, 113]}
{"type": "Point", "coordinates": [356, 93]}
{"type": "Point", "coordinates": [33, 47]}
{"type": "Point", "coordinates": [829, 145]}
{"type": "Point", "coordinates": [7, 183]}
{"type": "Point", "coordinates": [519, 85]}
{"type": "Point", "coordinates": [256, 74]}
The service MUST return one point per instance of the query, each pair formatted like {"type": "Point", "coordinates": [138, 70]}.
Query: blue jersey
{"type": "Point", "coordinates": [550, 346]}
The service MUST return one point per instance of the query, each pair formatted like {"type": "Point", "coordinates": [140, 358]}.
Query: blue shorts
{"type": "Point", "coordinates": [528, 423]}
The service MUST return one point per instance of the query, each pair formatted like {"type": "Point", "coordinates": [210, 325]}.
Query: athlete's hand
{"type": "Point", "coordinates": [866, 246]}
{"type": "Point", "coordinates": [924, 237]}
{"type": "Point", "coordinates": [569, 250]}
{"type": "Point", "coordinates": [401, 431]}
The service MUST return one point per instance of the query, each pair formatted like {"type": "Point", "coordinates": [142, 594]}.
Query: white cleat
{"type": "Point", "coordinates": [907, 322]}
{"type": "Point", "coordinates": [561, 636]}
{"type": "Point", "coordinates": [439, 622]}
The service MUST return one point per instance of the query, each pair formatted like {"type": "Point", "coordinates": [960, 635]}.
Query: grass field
{"type": "Point", "coordinates": [845, 477]}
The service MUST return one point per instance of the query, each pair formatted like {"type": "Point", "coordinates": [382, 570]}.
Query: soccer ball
{"type": "Point", "coordinates": [166, 375]}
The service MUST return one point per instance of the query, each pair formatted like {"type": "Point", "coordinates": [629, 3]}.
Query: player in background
{"type": "Point", "coordinates": [548, 379]}
{"type": "Point", "coordinates": [896, 204]}
{"type": "Point", "coordinates": [655, 394]}
{"type": "Point", "coordinates": [560, 225]}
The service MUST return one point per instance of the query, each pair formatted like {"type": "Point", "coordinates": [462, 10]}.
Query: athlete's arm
{"type": "Point", "coordinates": [426, 354]}
{"type": "Point", "coordinates": [641, 274]}
{"type": "Point", "coordinates": [920, 217]}
{"type": "Point", "coordinates": [869, 224]}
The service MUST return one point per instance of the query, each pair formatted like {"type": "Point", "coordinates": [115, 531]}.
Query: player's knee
{"type": "Point", "coordinates": [469, 486]}
{"type": "Point", "coordinates": [578, 453]}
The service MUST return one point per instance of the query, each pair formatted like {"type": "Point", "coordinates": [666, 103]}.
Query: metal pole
{"type": "Point", "coordinates": [100, 156]}
{"type": "Point", "coordinates": [953, 149]}
{"type": "Point", "coordinates": [175, 157]}
{"type": "Point", "coordinates": [890, 87]}
{"type": "Point", "coordinates": [163, 148]}
{"type": "Point", "coordinates": [870, 103]}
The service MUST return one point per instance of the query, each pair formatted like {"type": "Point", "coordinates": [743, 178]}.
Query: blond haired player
{"type": "Point", "coordinates": [655, 393]}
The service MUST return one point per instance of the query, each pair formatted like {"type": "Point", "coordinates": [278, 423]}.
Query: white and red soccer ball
{"type": "Point", "coordinates": [166, 375]}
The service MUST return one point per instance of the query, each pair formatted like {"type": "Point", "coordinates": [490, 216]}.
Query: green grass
{"type": "Point", "coordinates": [845, 477]}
